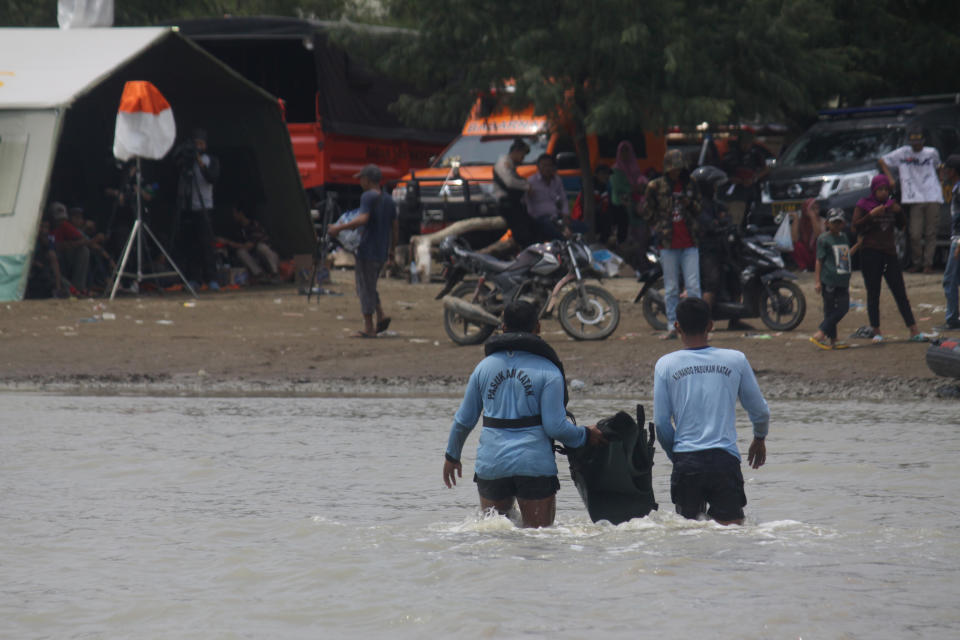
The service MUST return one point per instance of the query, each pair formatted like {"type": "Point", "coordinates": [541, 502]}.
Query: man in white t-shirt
{"type": "Point", "coordinates": [920, 189]}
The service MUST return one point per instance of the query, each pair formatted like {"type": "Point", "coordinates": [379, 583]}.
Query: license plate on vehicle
{"type": "Point", "coordinates": [778, 209]}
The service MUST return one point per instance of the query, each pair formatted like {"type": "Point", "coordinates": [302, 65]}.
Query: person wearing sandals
{"type": "Point", "coordinates": [875, 219]}
{"type": "Point", "coordinates": [378, 217]}
{"type": "Point", "coordinates": [832, 273]}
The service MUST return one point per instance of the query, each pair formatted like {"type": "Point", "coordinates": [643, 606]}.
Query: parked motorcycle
{"type": "Point", "coordinates": [540, 273]}
{"type": "Point", "coordinates": [758, 286]}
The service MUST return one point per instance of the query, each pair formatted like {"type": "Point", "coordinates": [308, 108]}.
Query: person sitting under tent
{"type": "Point", "coordinates": [73, 248]}
{"type": "Point", "coordinates": [102, 264]}
{"type": "Point", "coordinates": [252, 246]}
{"type": "Point", "coordinates": [44, 280]}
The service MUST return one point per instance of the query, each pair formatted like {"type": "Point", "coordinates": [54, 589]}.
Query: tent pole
{"type": "Point", "coordinates": [139, 223]}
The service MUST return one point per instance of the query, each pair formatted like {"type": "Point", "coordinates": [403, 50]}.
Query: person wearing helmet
{"type": "Point", "coordinates": [672, 209]}
{"type": "Point", "coordinates": [713, 219]}
{"type": "Point", "coordinates": [746, 164]}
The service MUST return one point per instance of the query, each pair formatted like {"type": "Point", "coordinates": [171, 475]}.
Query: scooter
{"type": "Point", "coordinates": [756, 285]}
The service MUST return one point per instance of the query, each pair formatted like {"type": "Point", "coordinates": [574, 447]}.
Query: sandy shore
{"type": "Point", "coordinates": [272, 341]}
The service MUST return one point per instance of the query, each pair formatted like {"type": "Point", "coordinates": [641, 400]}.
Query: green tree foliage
{"type": "Point", "coordinates": [128, 13]}
{"type": "Point", "coordinates": [622, 65]}
{"type": "Point", "coordinates": [900, 47]}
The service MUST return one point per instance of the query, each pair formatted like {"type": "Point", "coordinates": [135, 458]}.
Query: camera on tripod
{"type": "Point", "coordinates": [184, 155]}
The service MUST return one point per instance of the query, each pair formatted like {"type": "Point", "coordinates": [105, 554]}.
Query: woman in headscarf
{"type": "Point", "coordinates": [875, 219]}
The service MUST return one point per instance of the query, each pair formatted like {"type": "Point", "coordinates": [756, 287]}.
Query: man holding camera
{"type": "Point", "coordinates": [199, 171]}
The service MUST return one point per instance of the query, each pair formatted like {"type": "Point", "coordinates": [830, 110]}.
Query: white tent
{"type": "Point", "coordinates": [59, 92]}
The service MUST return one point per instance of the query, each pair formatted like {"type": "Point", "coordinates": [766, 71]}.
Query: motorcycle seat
{"type": "Point", "coordinates": [491, 263]}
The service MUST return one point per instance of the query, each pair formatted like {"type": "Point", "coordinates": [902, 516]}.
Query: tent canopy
{"type": "Point", "coordinates": [58, 103]}
{"type": "Point", "coordinates": [296, 60]}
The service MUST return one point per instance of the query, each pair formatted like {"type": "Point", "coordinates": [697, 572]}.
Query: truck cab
{"type": "Point", "coordinates": [458, 184]}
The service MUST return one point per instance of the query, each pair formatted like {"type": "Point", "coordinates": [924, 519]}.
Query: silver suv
{"type": "Point", "coordinates": [835, 159]}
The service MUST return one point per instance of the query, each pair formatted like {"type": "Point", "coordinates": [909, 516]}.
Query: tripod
{"type": "Point", "coordinates": [322, 249]}
{"type": "Point", "coordinates": [136, 233]}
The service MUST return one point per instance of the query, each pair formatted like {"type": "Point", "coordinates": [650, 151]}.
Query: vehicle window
{"type": "Point", "coordinates": [949, 141]}
{"type": "Point", "coordinates": [838, 146]}
{"type": "Point", "coordinates": [607, 145]}
{"type": "Point", "coordinates": [480, 150]}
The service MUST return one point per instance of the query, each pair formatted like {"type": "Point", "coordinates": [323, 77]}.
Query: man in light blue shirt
{"type": "Point", "coordinates": [695, 392]}
{"type": "Point", "coordinates": [520, 390]}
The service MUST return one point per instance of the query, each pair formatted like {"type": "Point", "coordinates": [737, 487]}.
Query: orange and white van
{"type": "Point", "coordinates": [459, 182]}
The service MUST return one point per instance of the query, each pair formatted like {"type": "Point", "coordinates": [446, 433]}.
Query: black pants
{"type": "Point", "coordinates": [876, 265]}
{"type": "Point", "coordinates": [614, 216]}
{"type": "Point", "coordinates": [836, 303]}
{"type": "Point", "coordinates": [196, 246]}
{"type": "Point", "coordinates": [521, 225]}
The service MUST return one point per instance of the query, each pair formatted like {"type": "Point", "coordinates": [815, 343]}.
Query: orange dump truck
{"type": "Point", "coordinates": [459, 183]}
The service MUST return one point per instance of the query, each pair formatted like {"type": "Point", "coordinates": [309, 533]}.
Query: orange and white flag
{"type": "Point", "coordinates": [145, 125]}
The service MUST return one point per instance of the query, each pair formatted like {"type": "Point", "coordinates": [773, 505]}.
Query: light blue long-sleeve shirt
{"type": "Point", "coordinates": [510, 385]}
{"type": "Point", "coordinates": [695, 394]}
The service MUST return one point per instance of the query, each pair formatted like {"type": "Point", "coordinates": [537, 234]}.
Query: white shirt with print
{"type": "Point", "coordinates": [919, 181]}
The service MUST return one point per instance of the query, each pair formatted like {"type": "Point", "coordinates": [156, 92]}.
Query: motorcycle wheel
{"type": "Point", "coordinates": [593, 317]}
{"type": "Point", "coordinates": [654, 307]}
{"type": "Point", "coordinates": [785, 309]}
{"type": "Point", "coordinates": [464, 331]}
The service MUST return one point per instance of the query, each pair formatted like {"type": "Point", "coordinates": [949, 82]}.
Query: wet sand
{"type": "Point", "coordinates": [271, 340]}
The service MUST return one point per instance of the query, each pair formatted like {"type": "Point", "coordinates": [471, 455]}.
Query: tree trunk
{"type": "Point", "coordinates": [586, 179]}
{"type": "Point", "coordinates": [420, 245]}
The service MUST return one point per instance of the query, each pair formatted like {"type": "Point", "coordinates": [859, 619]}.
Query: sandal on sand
{"type": "Point", "coordinates": [841, 345]}
{"type": "Point", "coordinates": [363, 334]}
{"type": "Point", "coordinates": [918, 338]}
{"type": "Point", "coordinates": [877, 339]}
{"type": "Point", "coordinates": [383, 325]}
{"type": "Point", "coordinates": [822, 345]}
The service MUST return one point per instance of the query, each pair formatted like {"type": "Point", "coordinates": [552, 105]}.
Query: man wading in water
{"type": "Point", "coordinates": [695, 393]}
{"type": "Point", "coordinates": [520, 389]}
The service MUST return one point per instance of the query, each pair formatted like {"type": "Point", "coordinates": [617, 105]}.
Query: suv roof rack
{"type": "Point", "coordinates": [933, 97]}
{"type": "Point", "coordinates": [850, 112]}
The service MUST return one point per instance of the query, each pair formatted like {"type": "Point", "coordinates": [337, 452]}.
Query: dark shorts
{"type": "Point", "coordinates": [711, 477]}
{"type": "Point", "coordinates": [522, 487]}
